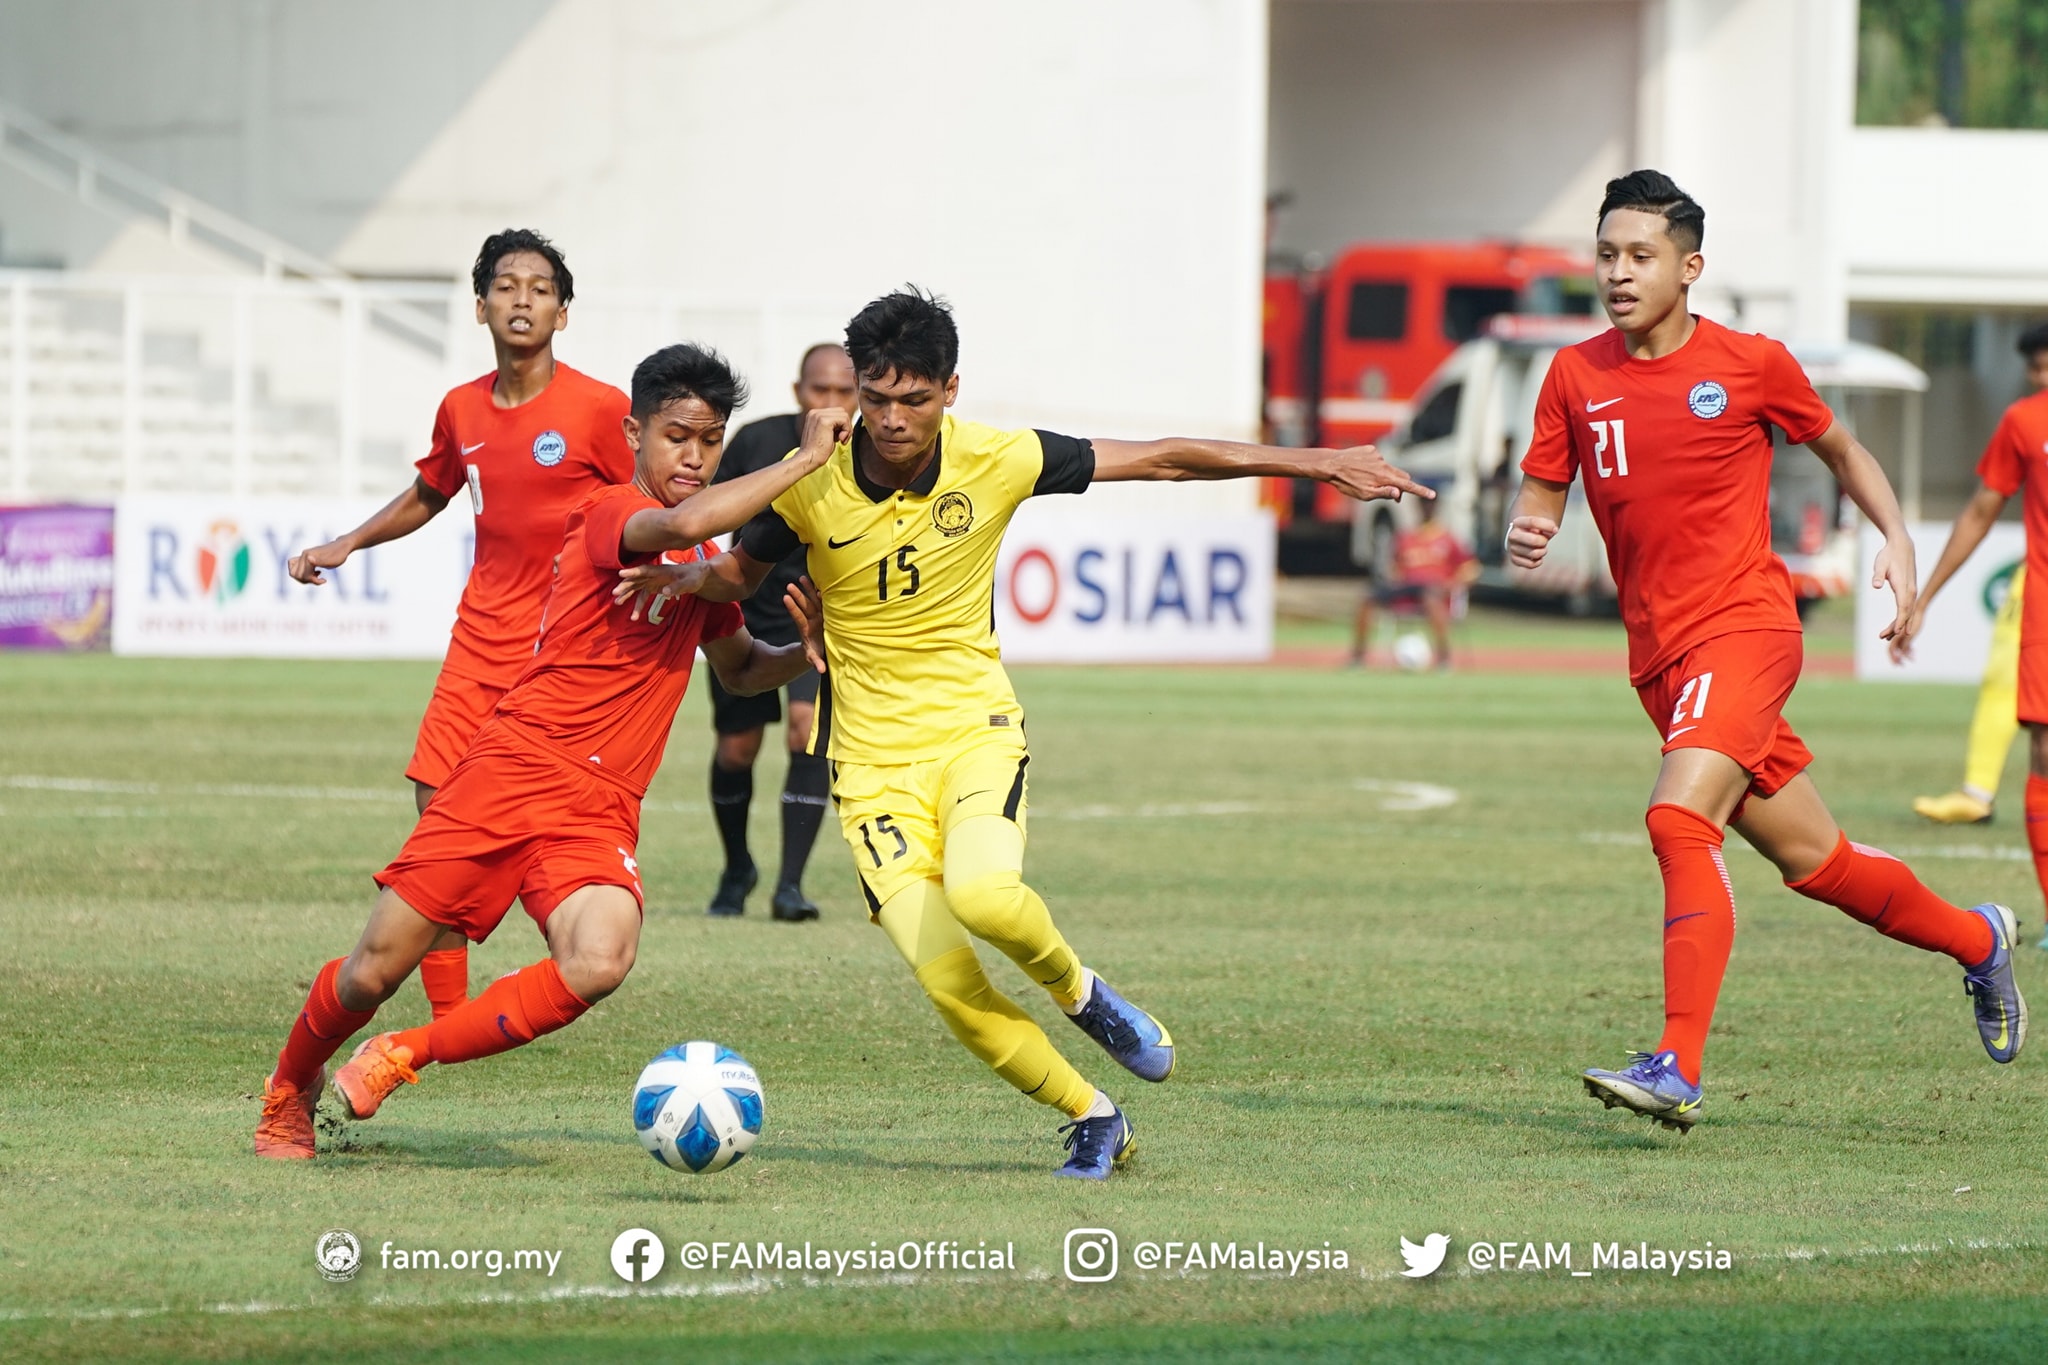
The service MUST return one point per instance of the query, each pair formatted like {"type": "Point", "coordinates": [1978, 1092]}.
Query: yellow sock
{"type": "Point", "coordinates": [987, 1023]}
{"type": "Point", "coordinates": [985, 887]}
{"type": "Point", "coordinates": [1996, 722]}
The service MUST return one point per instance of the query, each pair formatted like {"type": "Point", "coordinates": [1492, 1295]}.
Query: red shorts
{"type": "Point", "coordinates": [456, 711]}
{"type": "Point", "coordinates": [515, 821]}
{"type": "Point", "coordinates": [1728, 694]}
{"type": "Point", "coordinates": [2033, 701]}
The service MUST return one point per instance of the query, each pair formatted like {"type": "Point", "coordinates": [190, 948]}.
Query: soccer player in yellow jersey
{"type": "Point", "coordinates": [923, 729]}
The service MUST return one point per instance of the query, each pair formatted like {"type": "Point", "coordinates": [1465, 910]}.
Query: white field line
{"type": "Point", "coordinates": [236, 790]}
{"type": "Point", "coordinates": [1408, 795]}
{"type": "Point", "coordinates": [1394, 796]}
{"type": "Point", "coordinates": [771, 1283]}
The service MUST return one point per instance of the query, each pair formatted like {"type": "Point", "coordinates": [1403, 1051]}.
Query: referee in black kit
{"type": "Point", "coordinates": [824, 380]}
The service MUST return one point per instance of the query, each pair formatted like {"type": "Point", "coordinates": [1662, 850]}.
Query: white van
{"type": "Point", "coordinates": [1471, 426]}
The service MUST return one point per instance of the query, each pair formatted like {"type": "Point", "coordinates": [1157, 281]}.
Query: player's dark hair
{"type": "Point", "coordinates": [2034, 340]}
{"type": "Point", "coordinates": [499, 245]}
{"type": "Point", "coordinates": [908, 332]}
{"type": "Point", "coordinates": [674, 373]}
{"type": "Point", "coordinates": [1649, 191]}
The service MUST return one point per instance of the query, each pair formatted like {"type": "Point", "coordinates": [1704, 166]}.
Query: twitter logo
{"type": "Point", "coordinates": [1423, 1260]}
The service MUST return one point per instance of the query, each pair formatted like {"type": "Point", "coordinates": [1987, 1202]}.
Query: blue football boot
{"type": "Point", "coordinates": [1650, 1085]}
{"type": "Point", "coordinates": [1097, 1146]}
{"type": "Point", "coordinates": [1140, 1043]}
{"type": "Point", "coordinates": [2001, 1014]}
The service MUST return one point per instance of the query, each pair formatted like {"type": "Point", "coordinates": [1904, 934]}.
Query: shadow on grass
{"type": "Point", "coordinates": [854, 1156]}
{"type": "Point", "coordinates": [396, 1147]}
{"type": "Point", "coordinates": [1573, 1126]}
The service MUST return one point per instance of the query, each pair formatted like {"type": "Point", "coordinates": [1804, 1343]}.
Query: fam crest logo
{"type": "Point", "coordinates": [953, 515]}
{"type": "Point", "coordinates": [223, 562]}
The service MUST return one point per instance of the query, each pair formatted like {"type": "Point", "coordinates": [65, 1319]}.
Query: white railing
{"type": "Point", "coordinates": [118, 384]}
{"type": "Point", "coordinates": [111, 186]}
{"type": "Point", "coordinates": [65, 163]}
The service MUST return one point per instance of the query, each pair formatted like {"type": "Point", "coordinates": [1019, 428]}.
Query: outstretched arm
{"type": "Point", "coordinates": [728, 506]}
{"type": "Point", "coordinates": [1973, 523]}
{"type": "Point", "coordinates": [1358, 472]}
{"type": "Point", "coordinates": [403, 515]}
{"type": "Point", "coordinates": [745, 665]}
{"type": "Point", "coordinates": [1857, 471]}
{"type": "Point", "coordinates": [730, 577]}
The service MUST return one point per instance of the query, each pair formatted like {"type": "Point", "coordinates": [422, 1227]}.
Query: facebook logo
{"type": "Point", "coordinates": [637, 1255]}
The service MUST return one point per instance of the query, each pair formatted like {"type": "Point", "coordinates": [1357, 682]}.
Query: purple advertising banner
{"type": "Point", "coordinates": [56, 577]}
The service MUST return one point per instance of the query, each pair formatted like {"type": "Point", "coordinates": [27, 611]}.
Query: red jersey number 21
{"type": "Point", "coordinates": [1600, 448]}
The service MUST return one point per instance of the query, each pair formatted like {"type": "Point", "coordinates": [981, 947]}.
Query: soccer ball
{"type": "Point", "coordinates": [698, 1107]}
{"type": "Point", "coordinates": [1413, 652]}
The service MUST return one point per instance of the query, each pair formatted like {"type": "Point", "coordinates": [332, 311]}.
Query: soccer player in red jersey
{"type": "Point", "coordinates": [526, 443]}
{"type": "Point", "coordinates": [2015, 460]}
{"type": "Point", "coordinates": [1666, 419]}
{"type": "Point", "coordinates": [545, 805]}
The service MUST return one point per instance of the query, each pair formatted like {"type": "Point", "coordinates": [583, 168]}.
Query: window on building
{"type": "Point", "coordinates": [1468, 306]}
{"type": "Point", "coordinates": [1378, 311]}
{"type": "Point", "coordinates": [1952, 63]}
{"type": "Point", "coordinates": [1439, 416]}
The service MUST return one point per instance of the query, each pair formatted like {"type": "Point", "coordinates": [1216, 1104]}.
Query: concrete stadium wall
{"type": "Point", "coordinates": [1083, 181]}
{"type": "Point", "coordinates": [1395, 120]}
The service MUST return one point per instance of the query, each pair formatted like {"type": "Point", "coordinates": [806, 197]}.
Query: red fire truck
{"type": "Point", "coordinates": [1348, 344]}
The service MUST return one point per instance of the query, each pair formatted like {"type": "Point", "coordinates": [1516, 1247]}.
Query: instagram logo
{"type": "Point", "coordinates": [1091, 1255]}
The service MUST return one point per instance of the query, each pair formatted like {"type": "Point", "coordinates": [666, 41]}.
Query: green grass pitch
{"type": "Point", "coordinates": [1380, 1013]}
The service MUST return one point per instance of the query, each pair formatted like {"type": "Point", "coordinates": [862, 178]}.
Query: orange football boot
{"type": "Point", "coordinates": [372, 1073]}
{"type": "Point", "coordinates": [285, 1131]}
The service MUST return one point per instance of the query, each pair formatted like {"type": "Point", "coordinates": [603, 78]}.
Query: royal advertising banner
{"type": "Point", "coordinates": [1094, 588]}
{"type": "Point", "coordinates": [206, 576]}
{"type": "Point", "coordinates": [1956, 638]}
{"type": "Point", "coordinates": [56, 577]}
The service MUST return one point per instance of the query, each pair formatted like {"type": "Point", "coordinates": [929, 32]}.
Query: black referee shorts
{"type": "Point", "coordinates": [731, 715]}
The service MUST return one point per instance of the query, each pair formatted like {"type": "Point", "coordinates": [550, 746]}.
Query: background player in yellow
{"type": "Point", "coordinates": [925, 735]}
{"type": "Point", "coordinates": [1993, 726]}
{"type": "Point", "coordinates": [1996, 723]}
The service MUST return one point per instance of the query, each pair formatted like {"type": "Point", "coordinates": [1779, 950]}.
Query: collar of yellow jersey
{"type": "Point", "coordinates": [922, 485]}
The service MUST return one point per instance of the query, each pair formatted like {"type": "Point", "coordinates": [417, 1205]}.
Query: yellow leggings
{"type": "Point", "coordinates": [1996, 722]}
{"type": "Point", "coordinates": [982, 892]}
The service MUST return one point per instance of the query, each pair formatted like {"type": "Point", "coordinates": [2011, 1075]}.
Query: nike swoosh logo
{"type": "Point", "coordinates": [1676, 918]}
{"type": "Point", "coordinates": [471, 450]}
{"type": "Point", "coordinates": [832, 544]}
{"type": "Point", "coordinates": [971, 795]}
{"type": "Point", "coordinates": [1591, 406]}
{"type": "Point", "coordinates": [1676, 733]}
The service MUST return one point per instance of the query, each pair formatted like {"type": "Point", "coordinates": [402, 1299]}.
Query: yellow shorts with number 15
{"type": "Point", "coordinates": [897, 816]}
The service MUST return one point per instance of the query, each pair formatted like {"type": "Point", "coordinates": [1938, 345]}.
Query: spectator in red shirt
{"type": "Point", "coordinates": [1431, 567]}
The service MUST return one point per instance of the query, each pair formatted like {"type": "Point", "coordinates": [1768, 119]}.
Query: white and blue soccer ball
{"type": "Point", "coordinates": [698, 1107]}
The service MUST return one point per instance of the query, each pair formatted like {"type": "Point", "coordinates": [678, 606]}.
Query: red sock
{"type": "Point", "coordinates": [1872, 886]}
{"type": "Point", "coordinates": [2037, 828]}
{"type": "Point", "coordinates": [320, 1030]}
{"type": "Point", "coordinates": [1699, 928]}
{"type": "Point", "coordinates": [444, 975]}
{"type": "Point", "coordinates": [512, 1011]}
